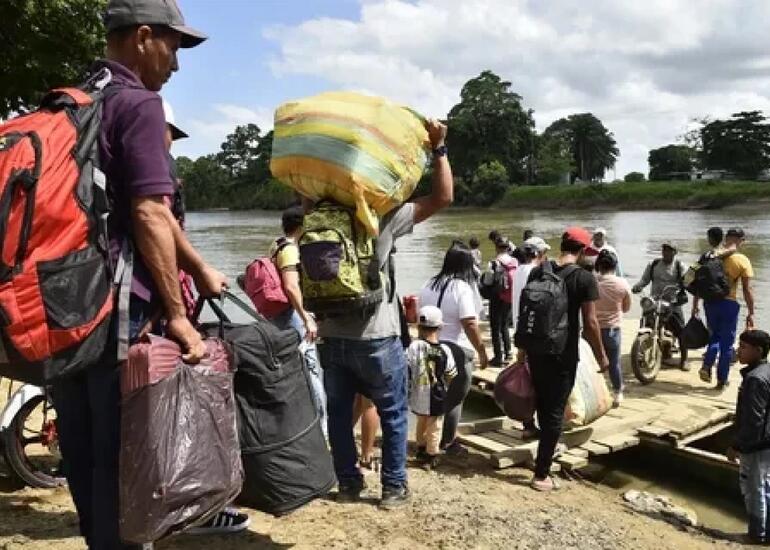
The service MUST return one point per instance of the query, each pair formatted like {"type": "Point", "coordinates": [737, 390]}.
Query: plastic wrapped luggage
{"type": "Point", "coordinates": [514, 392]}
{"type": "Point", "coordinates": [179, 458]}
{"type": "Point", "coordinates": [590, 398]}
{"type": "Point", "coordinates": [285, 457]}
{"type": "Point", "coordinates": [361, 151]}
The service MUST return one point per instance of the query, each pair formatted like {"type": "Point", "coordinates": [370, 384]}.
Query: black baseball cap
{"type": "Point", "coordinates": [736, 232]}
{"type": "Point", "coordinates": [125, 13]}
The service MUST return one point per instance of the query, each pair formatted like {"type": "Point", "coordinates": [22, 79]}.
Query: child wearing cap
{"type": "Point", "coordinates": [431, 370]}
{"type": "Point", "coordinates": [752, 433]}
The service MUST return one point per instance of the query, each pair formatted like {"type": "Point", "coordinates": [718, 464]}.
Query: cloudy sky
{"type": "Point", "coordinates": [646, 69]}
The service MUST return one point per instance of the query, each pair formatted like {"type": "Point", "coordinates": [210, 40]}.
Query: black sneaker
{"type": "Point", "coordinates": [350, 491]}
{"type": "Point", "coordinates": [421, 454]}
{"type": "Point", "coordinates": [722, 385]}
{"type": "Point", "coordinates": [227, 521]}
{"type": "Point", "coordinates": [508, 357]}
{"type": "Point", "coordinates": [455, 448]}
{"type": "Point", "coordinates": [394, 497]}
{"type": "Point", "coordinates": [495, 362]}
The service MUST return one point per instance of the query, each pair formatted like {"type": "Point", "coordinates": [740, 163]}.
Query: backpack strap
{"type": "Point", "coordinates": [568, 270]}
{"type": "Point", "coordinates": [282, 243]}
{"type": "Point", "coordinates": [124, 275]}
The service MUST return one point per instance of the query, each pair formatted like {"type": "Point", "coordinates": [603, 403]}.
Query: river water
{"type": "Point", "coordinates": [230, 240]}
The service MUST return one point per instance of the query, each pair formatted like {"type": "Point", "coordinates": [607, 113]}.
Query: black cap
{"type": "Point", "coordinates": [736, 232]}
{"type": "Point", "coordinates": [125, 13]}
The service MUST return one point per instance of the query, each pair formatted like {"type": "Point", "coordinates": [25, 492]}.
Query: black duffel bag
{"type": "Point", "coordinates": [694, 335]}
{"type": "Point", "coordinates": [286, 461]}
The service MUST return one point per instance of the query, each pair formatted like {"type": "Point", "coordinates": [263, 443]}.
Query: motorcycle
{"type": "Point", "coordinates": [28, 438]}
{"type": "Point", "coordinates": [655, 342]}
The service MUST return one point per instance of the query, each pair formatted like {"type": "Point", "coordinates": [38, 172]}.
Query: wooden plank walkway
{"type": "Point", "coordinates": [673, 412]}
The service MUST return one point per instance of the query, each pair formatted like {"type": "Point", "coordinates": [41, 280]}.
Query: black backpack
{"type": "Point", "coordinates": [494, 280]}
{"type": "Point", "coordinates": [543, 322]}
{"type": "Point", "coordinates": [710, 281]}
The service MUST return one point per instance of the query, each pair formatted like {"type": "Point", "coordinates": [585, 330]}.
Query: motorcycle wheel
{"type": "Point", "coordinates": [30, 446]}
{"type": "Point", "coordinates": [645, 359]}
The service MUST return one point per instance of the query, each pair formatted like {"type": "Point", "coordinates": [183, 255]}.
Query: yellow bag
{"type": "Point", "coordinates": [361, 151]}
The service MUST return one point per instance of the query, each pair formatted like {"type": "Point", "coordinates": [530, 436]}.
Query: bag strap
{"type": "Point", "coordinates": [441, 294]}
{"type": "Point", "coordinates": [124, 277]}
{"type": "Point", "coordinates": [568, 270]}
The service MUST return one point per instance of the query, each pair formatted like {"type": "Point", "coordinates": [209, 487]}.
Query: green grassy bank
{"type": "Point", "coordinates": [642, 196]}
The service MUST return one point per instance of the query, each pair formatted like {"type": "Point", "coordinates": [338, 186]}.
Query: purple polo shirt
{"type": "Point", "coordinates": [133, 156]}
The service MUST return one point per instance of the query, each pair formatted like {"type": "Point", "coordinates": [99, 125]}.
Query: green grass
{"type": "Point", "coordinates": [642, 195]}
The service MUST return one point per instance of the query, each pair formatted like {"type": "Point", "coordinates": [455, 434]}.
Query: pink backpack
{"type": "Point", "coordinates": [262, 283]}
{"type": "Point", "coordinates": [506, 294]}
{"type": "Point", "coordinates": [514, 392]}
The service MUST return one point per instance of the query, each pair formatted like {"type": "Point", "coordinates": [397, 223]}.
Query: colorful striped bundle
{"type": "Point", "coordinates": [361, 151]}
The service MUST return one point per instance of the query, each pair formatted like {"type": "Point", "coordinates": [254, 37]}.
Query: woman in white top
{"type": "Point", "coordinates": [454, 292]}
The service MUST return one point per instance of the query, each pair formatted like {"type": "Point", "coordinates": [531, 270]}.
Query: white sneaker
{"type": "Point", "coordinates": [617, 399]}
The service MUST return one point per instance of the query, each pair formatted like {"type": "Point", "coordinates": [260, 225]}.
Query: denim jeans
{"type": "Point", "coordinates": [376, 369]}
{"type": "Point", "coordinates": [88, 423]}
{"type": "Point", "coordinates": [755, 487]}
{"type": "Point", "coordinates": [291, 319]}
{"type": "Point", "coordinates": [611, 341]}
{"type": "Point", "coordinates": [722, 319]}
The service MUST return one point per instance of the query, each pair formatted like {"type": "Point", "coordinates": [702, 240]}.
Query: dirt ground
{"type": "Point", "coordinates": [462, 504]}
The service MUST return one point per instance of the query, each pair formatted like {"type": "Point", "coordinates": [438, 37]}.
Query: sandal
{"type": "Point", "coordinates": [544, 485]}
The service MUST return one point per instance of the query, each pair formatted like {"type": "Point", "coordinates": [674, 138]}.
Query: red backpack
{"type": "Point", "coordinates": [262, 283]}
{"type": "Point", "coordinates": [56, 292]}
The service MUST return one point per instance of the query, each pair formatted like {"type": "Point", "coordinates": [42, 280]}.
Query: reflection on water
{"type": "Point", "coordinates": [230, 240]}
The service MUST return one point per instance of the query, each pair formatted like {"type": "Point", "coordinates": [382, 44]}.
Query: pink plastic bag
{"type": "Point", "coordinates": [180, 461]}
{"type": "Point", "coordinates": [514, 392]}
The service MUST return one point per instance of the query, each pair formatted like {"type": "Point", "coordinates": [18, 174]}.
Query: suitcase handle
{"type": "Point", "coordinates": [218, 309]}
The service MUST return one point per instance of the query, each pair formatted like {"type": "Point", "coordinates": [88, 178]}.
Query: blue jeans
{"type": "Point", "coordinates": [755, 487]}
{"type": "Point", "coordinates": [722, 319]}
{"type": "Point", "coordinates": [611, 341]}
{"type": "Point", "coordinates": [291, 319]}
{"type": "Point", "coordinates": [376, 369]}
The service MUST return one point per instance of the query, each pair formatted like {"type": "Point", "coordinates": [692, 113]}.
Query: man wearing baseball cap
{"type": "Point", "coordinates": [597, 244]}
{"type": "Point", "coordinates": [143, 37]}
{"type": "Point", "coordinates": [554, 375]}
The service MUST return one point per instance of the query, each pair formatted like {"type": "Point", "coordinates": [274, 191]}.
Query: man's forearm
{"type": "Point", "coordinates": [186, 256]}
{"type": "Point", "coordinates": [748, 295]}
{"type": "Point", "coordinates": [294, 294]}
{"type": "Point", "coordinates": [155, 241]}
{"type": "Point", "coordinates": [593, 335]}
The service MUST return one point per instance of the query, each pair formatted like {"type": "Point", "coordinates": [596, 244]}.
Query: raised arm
{"type": "Point", "coordinates": [442, 185]}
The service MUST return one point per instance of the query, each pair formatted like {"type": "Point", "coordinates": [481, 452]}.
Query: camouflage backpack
{"type": "Point", "coordinates": [339, 270]}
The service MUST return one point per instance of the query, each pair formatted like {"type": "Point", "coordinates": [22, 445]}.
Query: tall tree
{"type": "Point", "coordinates": [45, 44]}
{"type": "Point", "coordinates": [740, 144]}
{"type": "Point", "coordinates": [489, 124]}
{"type": "Point", "coordinates": [594, 149]}
{"type": "Point", "coordinates": [553, 160]}
{"type": "Point", "coordinates": [671, 162]}
{"type": "Point", "coordinates": [240, 152]}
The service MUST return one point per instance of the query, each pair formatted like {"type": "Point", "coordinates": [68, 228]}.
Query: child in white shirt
{"type": "Point", "coordinates": [431, 370]}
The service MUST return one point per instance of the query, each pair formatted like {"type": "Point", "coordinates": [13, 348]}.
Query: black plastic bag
{"type": "Point", "coordinates": [695, 335]}
{"type": "Point", "coordinates": [180, 461]}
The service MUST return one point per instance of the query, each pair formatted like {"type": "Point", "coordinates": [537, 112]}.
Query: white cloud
{"type": "Point", "coordinates": [645, 68]}
{"type": "Point", "coordinates": [207, 134]}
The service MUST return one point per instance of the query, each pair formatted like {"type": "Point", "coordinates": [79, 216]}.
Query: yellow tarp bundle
{"type": "Point", "coordinates": [362, 151]}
